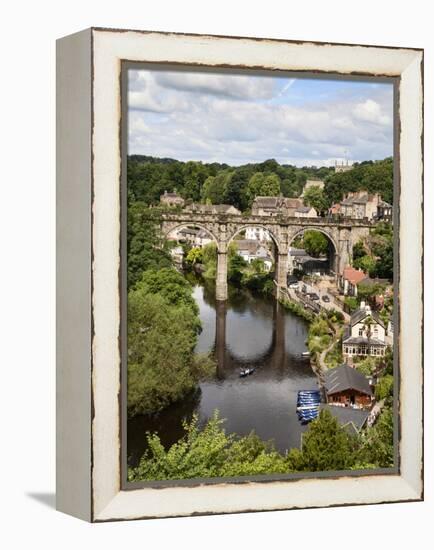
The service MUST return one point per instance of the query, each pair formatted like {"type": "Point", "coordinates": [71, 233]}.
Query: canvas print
{"type": "Point", "coordinates": [260, 288]}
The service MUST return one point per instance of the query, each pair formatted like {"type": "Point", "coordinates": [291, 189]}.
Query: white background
{"type": "Point", "coordinates": [27, 229]}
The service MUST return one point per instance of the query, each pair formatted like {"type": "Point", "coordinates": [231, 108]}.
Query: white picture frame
{"type": "Point", "coordinates": [89, 149]}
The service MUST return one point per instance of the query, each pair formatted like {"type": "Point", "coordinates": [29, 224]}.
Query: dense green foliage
{"type": "Point", "coordinates": [262, 184]}
{"type": "Point", "coordinates": [374, 255]}
{"type": "Point", "coordinates": [146, 249]}
{"type": "Point", "coordinates": [315, 243]}
{"type": "Point", "coordinates": [377, 447]}
{"type": "Point", "coordinates": [315, 197]}
{"type": "Point", "coordinates": [325, 446]}
{"type": "Point", "coordinates": [334, 357]}
{"type": "Point", "coordinates": [163, 324]}
{"type": "Point", "coordinates": [149, 177]}
{"type": "Point", "coordinates": [372, 176]}
{"type": "Point", "coordinates": [209, 452]}
{"type": "Point", "coordinates": [384, 387]}
{"type": "Point", "coordinates": [163, 320]}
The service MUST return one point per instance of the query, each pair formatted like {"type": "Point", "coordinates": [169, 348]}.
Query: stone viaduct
{"type": "Point", "coordinates": [223, 228]}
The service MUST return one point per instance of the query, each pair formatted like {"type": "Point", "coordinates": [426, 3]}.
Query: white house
{"type": "Point", "coordinates": [306, 212]}
{"type": "Point", "coordinates": [202, 238]}
{"type": "Point", "coordinates": [251, 250]}
{"type": "Point", "coordinates": [177, 253]}
{"type": "Point", "coordinates": [365, 335]}
{"type": "Point", "coordinates": [257, 234]}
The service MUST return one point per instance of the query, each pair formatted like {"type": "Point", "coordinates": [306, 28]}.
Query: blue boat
{"type": "Point", "coordinates": [308, 402]}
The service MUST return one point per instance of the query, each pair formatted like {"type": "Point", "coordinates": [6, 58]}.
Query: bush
{"type": "Point", "coordinates": [384, 387]}
{"type": "Point", "coordinates": [207, 453]}
{"type": "Point", "coordinates": [351, 303]}
{"type": "Point", "coordinates": [334, 357]}
{"type": "Point", "coordinates": [366, 366]}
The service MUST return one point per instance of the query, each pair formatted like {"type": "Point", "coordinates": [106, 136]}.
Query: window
{"type": "Point", "coordinates": [361, 331]}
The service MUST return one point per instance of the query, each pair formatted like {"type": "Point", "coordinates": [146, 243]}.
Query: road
{"type": "Point", "coordinates": [321, 290]}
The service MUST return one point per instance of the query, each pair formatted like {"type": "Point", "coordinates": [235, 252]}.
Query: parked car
{"type": "Point", "coordinates": [313, 296]}
{"type": "Point", "coordinates": [325, 298]}
{"type": "Point", "coordinates": [293, 285]}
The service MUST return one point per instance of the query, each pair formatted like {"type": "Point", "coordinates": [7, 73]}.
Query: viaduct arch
{"type": "Point", "coordinates": [222, 228]}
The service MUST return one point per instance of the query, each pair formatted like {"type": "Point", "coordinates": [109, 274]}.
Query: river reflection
{"type": "Point", "coordinates": [246, 330]}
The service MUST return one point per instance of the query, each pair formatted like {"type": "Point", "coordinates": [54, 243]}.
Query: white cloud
{"type": "Point", "coordinates": [238, 119]}
{"type": "Point", "coordinates": [370, 111]}
{"type": "Point", "coordinates": [231, 86]}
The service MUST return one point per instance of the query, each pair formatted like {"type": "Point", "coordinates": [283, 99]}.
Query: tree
{"type": "Point", "coordinates": [377, 447]}
{"type": "Point", "coordinates": [367, 325]}
{"type": "Point", "coordinates": [374, 177]}
{"type": "Point", "coordinates": [289, 188]}
{"type": "Point", "coordinates": [146, 249]}
{"type": "Point", "coordinates": [271, 186]}
{"type": "Point", "coordinates": [325, 446]}
{"type": "Point", "coordinates": [206, 453]}
{"type": "Point", "coordinates": [214, 188]}
{"type": "Point", "coordinates": [315, 243]}
{"type": "Point", "coordinates": [261, 184]}
{"type": "Point", "coordinates": [384, 265]}
{"type": "Point", "coordinates": [163, 323]}
{"type": "Point", "coordinates": [359, 250]}
{"type": "Point", "coordinates": [314, 196]}
{"type": "Point", "coordinates": [384, 387]}
{"type": "Point", "coordinates": [195, 174]}
{"type": "Point", "coordinates": [351, 303]}
{"type": "Point", "coordinates": [170, 285]}
{"type": "Point", "coordinates": [209, 260]}
{"type": "Point", "coordinates": [366, 366]}
{"type": "Point", "coordinates": [236, 185]}
{"type": "Point", "coordinates": [194, 256]}
{"type": "Point", "coordinates": [365, 263]}
{"type": "Point", "coordinates": [161, 340]}
{"type": "Point", "coordinates": [367, 292]}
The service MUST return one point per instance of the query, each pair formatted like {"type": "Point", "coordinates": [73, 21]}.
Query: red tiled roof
{"type": "Point", "coordinates": [354, 275]}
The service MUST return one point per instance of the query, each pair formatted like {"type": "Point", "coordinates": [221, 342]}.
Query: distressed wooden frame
{"type": "Point", "coordinates": [89, 473]}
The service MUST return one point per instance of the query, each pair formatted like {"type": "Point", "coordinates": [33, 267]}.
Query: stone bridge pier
{"type": "Point", "coordinates": [222, 273]}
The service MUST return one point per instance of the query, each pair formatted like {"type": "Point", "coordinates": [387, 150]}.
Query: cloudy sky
{"type": "Point", "coordinates": [242, 118]}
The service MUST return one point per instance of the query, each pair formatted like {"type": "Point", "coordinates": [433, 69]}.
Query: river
{"type": "Point", "coordinates": [246, 330]}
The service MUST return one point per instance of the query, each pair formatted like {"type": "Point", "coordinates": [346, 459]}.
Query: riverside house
{"type": "Point", "coordinates": [347, 387]}
{"type": "Point", "coordinates": [365, 335]}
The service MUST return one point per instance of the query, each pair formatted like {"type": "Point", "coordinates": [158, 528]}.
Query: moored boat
{"type": "Point", "coordinates": [246, 372]}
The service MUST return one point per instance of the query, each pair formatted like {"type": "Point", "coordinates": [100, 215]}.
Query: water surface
{"type": "Point", "coordinates": [245, 331]}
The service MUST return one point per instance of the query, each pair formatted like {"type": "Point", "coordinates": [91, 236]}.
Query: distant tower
{"type": "Point", "coordinates": [344, 165]}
